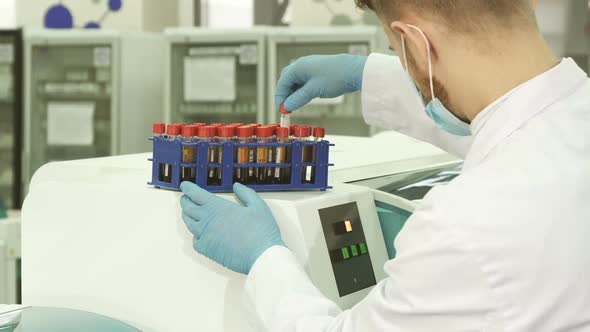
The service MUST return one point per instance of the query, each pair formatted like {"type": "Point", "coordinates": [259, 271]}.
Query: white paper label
{"type": "Point", "coordinates": [70, 123]}
{"type": "Point", "coordinates": [102, 57]}
{"type": "Point", "coordinates": [248, 54]}
{"type": "Point", "coordinates": [6, 53]}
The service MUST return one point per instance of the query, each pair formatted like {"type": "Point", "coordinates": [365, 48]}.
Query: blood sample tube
{"type": "Point", "coordinates": [165, 169]}
{"type": "Point", "coordinates": [302, 135]}
{"type": "Point", "coordinates": [226, 134]}
{"type": "Point", "coordinates": [292, 130]}
{"type": "Point", "coordinates": [189, 154]}
{"type": "Point", "coordinates": [159, 129]}
{"type": "Point", "coordinates": [209, 134]}
{"type": "Point", "coordinates": [318, 135]}
{"type": "Point", "coordinates": [245, 155]}
{"type": "Point", "coordinates": [282, 175]}
{"type": "Point", "coordinates": [173, 131]}
{"type": "Point", "coordinates": [264, 135]}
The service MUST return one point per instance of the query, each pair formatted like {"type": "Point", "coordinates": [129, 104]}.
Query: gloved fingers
{"type": "Point", "coordinates": [196, 194]}
{"type": "Point", "coordinates": [302, 96]}
{"type": "Point", "coordinates": [191, 209]}
{"type": "Point", "coordinates": [287, 84]}
{"type": "Point", "coordinates": [195, 227]}
{"type": "Point", "coordinates": [247, 196]}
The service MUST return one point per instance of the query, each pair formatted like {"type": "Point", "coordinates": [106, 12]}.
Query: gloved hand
{"type": "Point", "coordinates": [229, 234]}
{"type": "Point", "coordinates": [319, 76]}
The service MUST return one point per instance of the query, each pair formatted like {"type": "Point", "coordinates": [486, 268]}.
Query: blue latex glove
{"type": "Point", "coordinates": [230, 234]}
{"type": "Point", "coordinates": [319, 76]}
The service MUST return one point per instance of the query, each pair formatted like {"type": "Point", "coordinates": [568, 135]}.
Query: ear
{"type": "Point", "coordinates": [416, 44]}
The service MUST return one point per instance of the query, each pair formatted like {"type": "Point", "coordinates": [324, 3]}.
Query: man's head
{"type": "Point", "coordinates": [458, 31]}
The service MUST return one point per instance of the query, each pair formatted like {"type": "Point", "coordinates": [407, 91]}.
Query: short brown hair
{"type": "Point", "coordinates": [464, 14]}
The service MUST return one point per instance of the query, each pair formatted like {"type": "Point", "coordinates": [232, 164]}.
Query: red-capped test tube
{"type": "Point", "coordinates": [173, 131]}
{"type": "Point", "coordinates": [245, 155]}
{"type": "Point", "coordinates": [189, 154]}
{"type": "Point", "coordinates": [318, 135]}
{"type": "Point", "coordinates": [282, 175]}
{"type": "Point", "coordinates": [285, 116]}
{"type": "Point", "coordinates": [165, 170]}
{"type": "Point", "coordinates": [302, 134]}
{"type": "Point", "coordinates": [159, 129]}
{"type": "Point", "coordinates": [264, 135]}
{"type": "Point", "coordinates": [209, 135]}
{"type": "Point", "coordinates": [226, 134]}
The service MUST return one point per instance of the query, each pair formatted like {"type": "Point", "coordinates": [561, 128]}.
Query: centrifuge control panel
{"type": "Point", "coordinates": [349, 254]}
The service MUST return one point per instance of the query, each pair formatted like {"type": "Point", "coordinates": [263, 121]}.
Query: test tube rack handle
{"type": "Point", "coordinates": [169, 152]}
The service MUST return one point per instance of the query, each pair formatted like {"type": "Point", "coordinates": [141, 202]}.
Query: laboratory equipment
{"type": "Point", "coordinates": [89, 94]}
{"type": "Point", "coordinates": [253, 154]}
{"type": "Point", "coordinates": [340, 116]}
{"type": "Point", "coordinates": [154, 279]}
{"type": "Point", "coordinates": [11, 116]}
{"type": "Point", "coordinates": [215, 75]}
{"type": "Point", "coordinates": [10, 258]}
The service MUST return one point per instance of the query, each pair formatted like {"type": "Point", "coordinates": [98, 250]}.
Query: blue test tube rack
{"type": "Point", "coordinates": [169, 151]}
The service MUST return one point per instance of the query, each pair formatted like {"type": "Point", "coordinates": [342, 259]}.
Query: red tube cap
{"type": "Point", "coordinates": [159, 128]}
{"type": "Point", "coordinates": [217, 125]}
{"type": "Point", "coordinates": [265, 131]}
{"type": "Point", "coordinates": [283, 110]}
{"type": "Point", "coordinates": [319, 132]}
{"type": "Point", "coordinates": [303, 131]}
{"type": "Point", "coordinates": [199, 124]}
{"type": "Point", "coordinates": [189, 131]}
{"type": "Point", "coordinates": [283, 132]}
{"type": "Point", "coordinates": [235, 125]}
{"type": "Point", "coordinates": [245, 131]}
{"type": "Point", "coordinates": [227, 131]}
{"type": "Point", "coordinates": [292, 128]}
{"type": "Point", "coordinates": [207, 131]}
{"type": "Point", "coordinates": [173, 130]}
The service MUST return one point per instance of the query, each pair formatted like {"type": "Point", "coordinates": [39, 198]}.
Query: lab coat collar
{"type": "Point", "coordinates": [517, 107]}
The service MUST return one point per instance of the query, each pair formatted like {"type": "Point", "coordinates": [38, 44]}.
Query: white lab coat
{"type": "Point", "coordinates": [504, 247]}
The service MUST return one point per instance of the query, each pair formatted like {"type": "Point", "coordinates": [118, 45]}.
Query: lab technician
{"type": "Point", "coordinates": [503, 247]}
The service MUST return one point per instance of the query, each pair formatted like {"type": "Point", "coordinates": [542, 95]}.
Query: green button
{"type": "Point", "coordinates": [345, 253]}
{"type": "Point", "coordinates": [363, 248]}
{"type": "Point", "coordinates": [354, 250]}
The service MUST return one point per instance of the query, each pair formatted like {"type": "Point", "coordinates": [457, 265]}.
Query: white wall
{"type": "Point", "coordinates": [7, 14]}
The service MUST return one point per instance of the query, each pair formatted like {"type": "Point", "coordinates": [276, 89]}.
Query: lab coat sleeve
{"type": "Point", "coordinates": [390, 101]}
{"type": "Point", "coordinates": [433, 285]}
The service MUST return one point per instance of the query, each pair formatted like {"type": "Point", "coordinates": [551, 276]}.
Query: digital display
{"type": "Point", "coordinates": [342, 227]}
{"type": "Point", "coordinates": [347, 247]}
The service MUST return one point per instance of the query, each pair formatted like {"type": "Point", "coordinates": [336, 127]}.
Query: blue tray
{"type": "Point", "coordinates": [169, 151]}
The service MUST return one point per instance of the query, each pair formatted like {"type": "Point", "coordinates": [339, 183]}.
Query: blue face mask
{"type": "Point", "coordinates": [442, 117]}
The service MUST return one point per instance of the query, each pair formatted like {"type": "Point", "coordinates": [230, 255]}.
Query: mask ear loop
{"type": "Point", "coordinates": [429, 58]}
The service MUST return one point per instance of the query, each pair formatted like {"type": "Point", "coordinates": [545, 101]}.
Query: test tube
{"type": "Point", "coordinates": [302, 135]}
{"type": "Point", "coordinates": [173, 131]}
{"type": "Point", "coordinates": [209, 134]}
{"type": "Point", "coordinates": [285, 116]}
{"type": "Point", "coordinates": [318, 135]}
{"type": "Point", "coordinates": [226, 134]}
{"type": "Point", "coordinates": [245, 155]}
{"type": "Point", "coordinates": [189, 154]}
{"type": "Point", "coordinates": [264, 135]}
{"type": "Point", "coordinates": [292, 130]}
{"type": "Point", "coordinates": [165, 169]}
{"type": "Point", "coordinates": [282, 175]}
{"type": "Point", "coordinates": [159, 129]}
